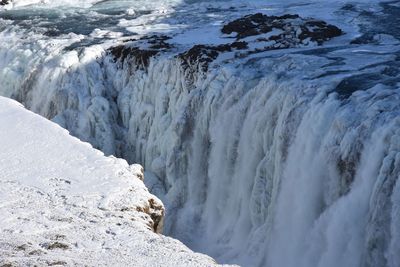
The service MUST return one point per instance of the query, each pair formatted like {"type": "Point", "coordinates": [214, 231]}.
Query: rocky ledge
{"type": "Point", "coordinates": [141, 50]}
{"type": "Point", "coordinates": [245, 36]}
{"type": "Point", "coordinates": [286, 27]}
{"type": "Point", "coordinates": [259, 33]}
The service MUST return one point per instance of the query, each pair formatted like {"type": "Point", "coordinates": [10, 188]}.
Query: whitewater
{"type": "Point", "coordinates": [278, 157]}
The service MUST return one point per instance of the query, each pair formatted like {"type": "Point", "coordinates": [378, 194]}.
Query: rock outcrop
{"type": "Point", "coordinates": [140, 51]}
{"type": "Point", "coordinates": [4, 2]}
{"type": "Point", "coordinates": [252, 34]}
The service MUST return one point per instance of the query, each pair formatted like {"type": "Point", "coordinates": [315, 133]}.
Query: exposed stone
{"type": "Point", "coordinates": [57, 263]}
{"type": "Point", "coordinates": [318, 31]}
{"type": "Point", "coordinates": [55, 245]}
{"type": "Point", "coordinates": [157, 215]}
{"type": "Point", "coordinates": [139, 56]}
{"type": "Point", "coordinates": [140, 51]}
{"type": "Point", "coordinates": [158, 42]}
{"type": "Point", "coordinates": [35, 252]}
{"type": "Point", "coordinates": [4, 2]}
{"type": "Point", "coordinates": [291, 26]}
{"type": "Point", "coordinates": [276, 32]}
{"type": "Point", "coordinates": [204, 54]}
{"type": "Point", "coordinates": [255, 24]}
{"type": "Point", "coordinates": [156, 211]}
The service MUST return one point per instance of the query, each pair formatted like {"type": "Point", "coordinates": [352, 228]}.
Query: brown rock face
{"type": "Point", "coordinates": [156, 212]}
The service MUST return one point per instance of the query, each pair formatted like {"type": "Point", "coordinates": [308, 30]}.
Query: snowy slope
{"type": "Point", "coordinates": [65, 203]}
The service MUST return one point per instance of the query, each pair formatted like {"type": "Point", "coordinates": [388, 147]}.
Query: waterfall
{"type": "Point", "coordinates": [255, 167]}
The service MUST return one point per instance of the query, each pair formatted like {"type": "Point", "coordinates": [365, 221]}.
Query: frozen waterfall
{"type": "Point", "coordinates": [256, 164]}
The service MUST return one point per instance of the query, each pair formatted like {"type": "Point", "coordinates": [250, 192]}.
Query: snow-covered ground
{"type": "Point", "coordinates": [64, 203]}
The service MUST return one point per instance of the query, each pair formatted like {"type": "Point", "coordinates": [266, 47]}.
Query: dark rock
{"type": "Point", "coordinates": [255, 24]}
{"type": "Point", "coordinates": [139, 56]}
{"type": "Point", "coordinates": [158, 42]}
{"type": "Point", "coordinates": [250, 25]}
{"type": "Point", "coordinates": [140, 51]}
{"type": "Point", "coordinates": [4, 2]}
{"type": "Point", "coordinates": [55, 245]}
{"type": "Point", "coordinates": [319, 31]}
{"type": "Point", "coordinates": [239, 45]}
{"type": "Point", "coordinates": [35, 252]}
{"type": "Point", "coordinates": [201, 54]}
{"type": "Point", "coordinates": [57, 263]}
{"type": "Point", "coordinates": [204, 54]}
{"type": "Point", "coordinates": [22, 247]}
{"type": "Point", "coordinates": [286, 31]}
{"type": "Point", "coordinates": [277, 32]}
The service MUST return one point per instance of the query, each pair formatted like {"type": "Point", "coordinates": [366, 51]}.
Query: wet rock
{"type": "Point", "coordinates": [158, 42]}
{"type": "Point", "coordinates": [271, 33]}
{"type": "Point", "coordinates": [205, 54]}
{"type": "Point", "coordinates": [140, 51]}
{"type": "Point", "coordinates": [4, 2]}
{"type": "Point", "coordinates": [318, 31]}
{"type": "Point", "coordinates": [266, 32]}
{"type": "Point", "coordinates": [255, 24]}
{"type": "Point", "coordinates": [291, 26]}
{"type": "Point", "coordinates": [140, 57]}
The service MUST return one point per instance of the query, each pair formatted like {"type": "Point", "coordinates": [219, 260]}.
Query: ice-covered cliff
{"type": "Point", "coordinates": [281, 148]}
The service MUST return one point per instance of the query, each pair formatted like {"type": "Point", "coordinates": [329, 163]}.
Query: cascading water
{"type": "Point", "coordinates": [266, 160]}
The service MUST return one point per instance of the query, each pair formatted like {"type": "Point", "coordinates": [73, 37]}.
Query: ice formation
{"type": "Point", "coordinates": [282, 152]}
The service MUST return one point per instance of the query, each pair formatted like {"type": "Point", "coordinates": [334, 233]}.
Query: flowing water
{"type": "Point", "coordinates": [284, 158]}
